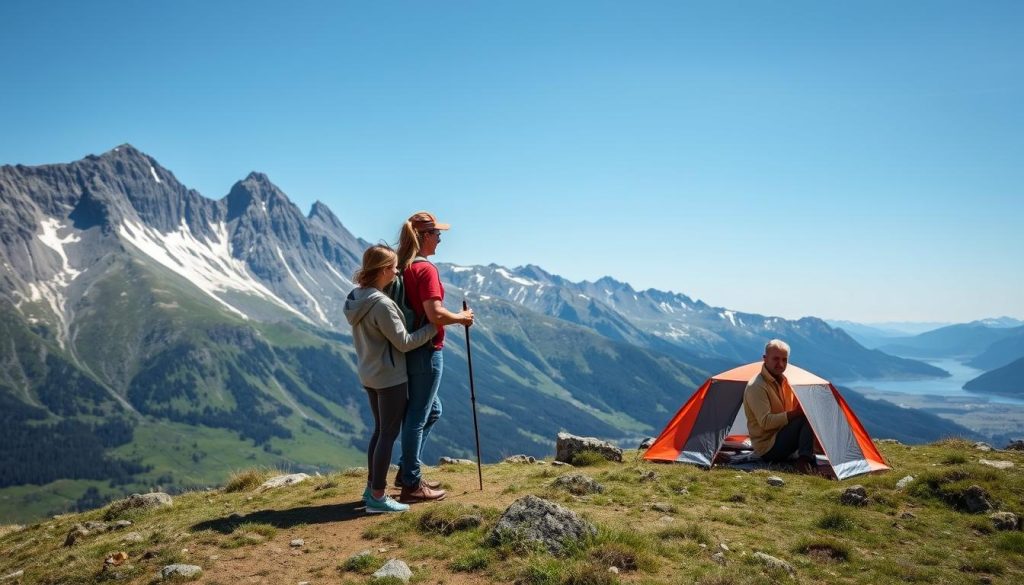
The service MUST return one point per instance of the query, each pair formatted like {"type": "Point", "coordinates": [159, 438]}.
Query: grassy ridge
{"type": "Point", "coordinates": [918, 534]}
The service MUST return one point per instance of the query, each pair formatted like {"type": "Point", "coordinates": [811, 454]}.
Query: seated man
{"type": "Point", "coordinates": [775, 421]}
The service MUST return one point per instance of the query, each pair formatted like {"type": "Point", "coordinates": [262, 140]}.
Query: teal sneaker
{"type": "Point", "coordinates": [366, 494]}
{"type": "Point", "coordinates": [384, 505]}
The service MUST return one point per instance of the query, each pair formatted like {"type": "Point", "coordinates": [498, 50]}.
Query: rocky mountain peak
{"type": "Point", "coordinates": [321, 212]}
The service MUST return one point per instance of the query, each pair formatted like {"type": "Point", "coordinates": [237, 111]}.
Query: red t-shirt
{"type": "Point", "coordinates": [422, 283]}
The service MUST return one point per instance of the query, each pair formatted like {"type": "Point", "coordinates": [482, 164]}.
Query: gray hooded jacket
{"type": "Point", "coordinates": [380, 337]}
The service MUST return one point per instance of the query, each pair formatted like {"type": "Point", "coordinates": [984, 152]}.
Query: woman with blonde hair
{"type": "Point", "coordinates": [381, 339]}
{"type": "Point", "coordinates": [424, 294]}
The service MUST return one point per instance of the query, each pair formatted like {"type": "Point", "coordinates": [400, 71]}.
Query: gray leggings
{"type": "Point", "coordinates": [388, 406]}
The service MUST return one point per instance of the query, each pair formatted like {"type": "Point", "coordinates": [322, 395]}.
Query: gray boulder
{"type": "Point", "coordinates": [982, 446]}
{"type": "Point", "coordinates": [774, 563]}
{"type": "Point", "coordinates": [1004, 520]}
{"type": "Point", "coordinates": [998, 464]}
{"type": "Point", "coordinates": [76, 535]}
{"type": "Point", "coordinates": [567, 446]}
{"type": "Point", "coordinates": [394, 568]}
{"type": "Point", "coordinates": [1017, 445]}
{"type": "Point", "coordinates": [903, 483]}
{"type": "Point", "coordinates": [663, 507]}
{"type": "Point", "coordinates": [578, 484]}
{"type": "Point", "coordinates": [179, 570]}
{"type": "Point", "coordinates": [537, 520]}
{"type": "Point", "coordinates": [776, 481]}
{"type": "Point", "coordinates": [976, 500]}
{"type": "Point", "coordinates": [854, 496]}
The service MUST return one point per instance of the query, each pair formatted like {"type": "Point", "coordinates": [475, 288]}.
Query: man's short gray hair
{"type": "Point", "coordinates": [777, 344]}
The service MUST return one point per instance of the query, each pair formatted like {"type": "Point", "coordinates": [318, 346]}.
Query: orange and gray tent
{"type": "Point", "coordinates": [714, 414]}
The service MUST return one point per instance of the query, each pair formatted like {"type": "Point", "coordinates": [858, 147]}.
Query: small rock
{"type": "Point", "coordinates": [94, 526]}
{"type": "Point", "coordinates": [907, 516]}
{"type": "Point", "coordinates": [613, 570]}
{"type": "Point", "coordinates": [283, 480]}
{"type": "Point", "coordinates": [578, 484]}
{"type": "Point", "coordinates": [179, 570]}
{"type": "Point", "coordinates": [77, 533]}
{"type": "Point", "coordinates": [561, 464]}
{"type": "Point", "coordinates": [663, 507]}
{"type": "Point", "coordinates": [394, 568]}
{"type": "Point", "coordinates": [297, 543]}
{"type": "Point", "coordinates": [648, 476]}
{"type": "Point", "coordinates": [683, 491]}
{"type": "Point", "coordinates": [453, 461]}
{"type": "Point", "coordinates": [15, 575]}
{"type": "Point", "coordinates": [903, 483]}
{"type": "Point", "coordinates": [996, 464]}
{"type": "Point", "coordinates": [1004, 520]}
{"type": "Point", "coordinates": [121, 524]}
{"type": "Point", "coordinates": [982, 446]}
{"type": "Point", "coordinates": [724, 547]}
{"type": "Point", "coordinates": [702, 545]}
{"type": "Point", "coordinates": [1017, 445]}
{"type": "Point", "coordinates": [775, 481]}
{"type": "Point", "coordinates": [150, 554]}
{"type": "Point", "coordinates": [646, 443]}
{"type": "Point", "coordinates": [567, 446]}
{"type": "Point", "coordinates": [666, 519]}
{"type": "Point", "coordinates": [976, 500]}
{"type": "Point", "coordinates": [718, 558]}
{"type": "Point", "coordinates": [116, 559]}
{"type": "Point", "coordinates": [520, 459]}
{"type": "Point", "coordinates": [132, 537]}
{"type": "Point", "coordinates": [138, 501]}
{"type": "Point", "coordinates": [538, 520]}
{"type": "Point", "coordinates": [774, 563]}
{"type": "Point", "coordinates": [303, 582]}
{"type": "Point", "coordinates": [854, 496]}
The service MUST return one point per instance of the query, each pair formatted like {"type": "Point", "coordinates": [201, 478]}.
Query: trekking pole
{"type": "Point", "coordinates": [472, 399]}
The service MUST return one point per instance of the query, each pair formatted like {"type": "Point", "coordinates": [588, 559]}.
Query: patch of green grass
{"type": "Point", "coordinates": [588, 458]}
{"type": "Point", "coordinates": [954, 459]}
{"type": "Point", "coordinates": [824, 550]}
{"type": "Point", "coordinates": [247, 480]}
{"type": "Point", "coordinates": [249, 533]}
{"type": "Point", "coordinates": [836, 520]}
{"type": "Point", "coordinates": [1011, 542]}
{"type": "Point", "coordinates": [982, 563]}
{"type": "Point", "coordinates": [549, 571]}
{"type": "Point", "coordinates": [694, 532]}
{"type": "Point", "coordinates": [364, 564]}
{"type": "Point", "coordinates": [471, 562]}
{"type": "Point", "coordinates": [446, 518]}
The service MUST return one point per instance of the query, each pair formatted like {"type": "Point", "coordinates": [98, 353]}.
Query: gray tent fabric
{"type": "Point", "coordinates": [832, 429]}
{"type": "Point", "coordinates": [723, 400]}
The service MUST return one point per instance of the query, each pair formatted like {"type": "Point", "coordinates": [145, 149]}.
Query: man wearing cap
{"type": "Point", "coordinates": [424, 293]}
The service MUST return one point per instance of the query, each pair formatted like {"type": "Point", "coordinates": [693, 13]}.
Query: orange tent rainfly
{"type": "Point", "coordinates": [714, 414]}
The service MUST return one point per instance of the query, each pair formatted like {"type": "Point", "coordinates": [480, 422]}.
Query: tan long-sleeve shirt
{"type": "Point", "coordinates": [765, 403]}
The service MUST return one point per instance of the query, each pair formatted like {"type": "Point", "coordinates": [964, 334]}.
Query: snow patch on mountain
{"type": "Point", "coordinates": [207, 264]}
{"type": "Point", "coordinates": [155, 177]}
{"type": "Point", "coordinates": [516, 279]}
{"type": "Point", "coordinates": [316, 305]}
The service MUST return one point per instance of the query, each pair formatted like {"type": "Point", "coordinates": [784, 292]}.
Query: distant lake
{"type": "Point", "coordinates": [951, 387]}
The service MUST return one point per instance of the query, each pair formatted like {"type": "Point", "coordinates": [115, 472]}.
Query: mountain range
{"type": "Point", "coordinates": [151, 336]}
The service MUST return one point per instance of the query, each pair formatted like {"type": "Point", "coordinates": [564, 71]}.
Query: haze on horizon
{"type": "Point", "coordinates": [847, 162]}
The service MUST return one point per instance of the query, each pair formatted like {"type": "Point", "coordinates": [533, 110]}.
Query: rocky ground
{"type": "Point", "coordinates": [947, 513]}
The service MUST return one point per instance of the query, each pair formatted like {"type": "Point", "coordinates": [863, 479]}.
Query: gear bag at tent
{"type": "Point", "coordinates": [715, 412]}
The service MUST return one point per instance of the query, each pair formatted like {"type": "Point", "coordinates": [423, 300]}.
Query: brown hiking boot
{"type": "Point", "coordinates": [422, 493]}
{"type": "Point", "coordinates": [430, 484]}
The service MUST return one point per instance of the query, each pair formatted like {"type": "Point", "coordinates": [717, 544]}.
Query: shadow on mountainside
{"type": "Point", "coordinates": [286, 518]}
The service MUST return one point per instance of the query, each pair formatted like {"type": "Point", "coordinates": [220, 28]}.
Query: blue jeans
{"type": "Point", "coordinates": [424, 366]}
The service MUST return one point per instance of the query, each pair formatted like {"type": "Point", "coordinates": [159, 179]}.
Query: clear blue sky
{"type": "Point", "coordinates": [859, 161]}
